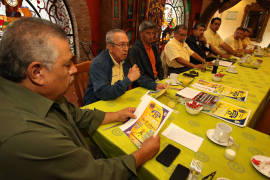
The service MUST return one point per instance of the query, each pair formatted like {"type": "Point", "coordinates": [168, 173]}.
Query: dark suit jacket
{"type": "Point", "coordinates": [198, 47]}
{"type": "Point", "coordinates": [140, 55]}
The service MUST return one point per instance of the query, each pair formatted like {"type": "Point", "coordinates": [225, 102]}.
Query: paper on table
{"type": "Point", "coordinates": [188, 93]}
{"type": "Point", "coordinates": [183, 137]}
{"type": "Point", "coordinates": [151, 115]}
{"type": "Point", "coordinates": [225, 63]}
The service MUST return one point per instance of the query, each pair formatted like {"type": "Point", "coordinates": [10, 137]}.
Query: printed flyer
{"type": "Point", "coordinates": [151, 115]}
{"type": "Point", "coordinates": [230, 113]}
{"type": "Point", "coordinates": [221, 89]}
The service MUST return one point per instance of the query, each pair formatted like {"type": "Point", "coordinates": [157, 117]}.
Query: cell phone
{"type": "Point", "coordinates": [168, 155]}
{"type": "Point", "coordinates": [189, 75]}
{"type": "Point", "coordinates": [180, 173]}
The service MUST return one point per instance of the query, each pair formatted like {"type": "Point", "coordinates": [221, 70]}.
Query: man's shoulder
{"type": "Point", "coordinates": [102, 60]}
{"type": "Point", "coordinates": [190, 39]}
{"type": "Point", "coordinates": [14, 121]}
{"type": "Point", "coordinates": [137, 46]}
{"type": "Point", "coordinates": [171, 42]}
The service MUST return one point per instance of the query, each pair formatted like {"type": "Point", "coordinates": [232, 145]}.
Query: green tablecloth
{"type": "Point", "coordinates": [257, 82]}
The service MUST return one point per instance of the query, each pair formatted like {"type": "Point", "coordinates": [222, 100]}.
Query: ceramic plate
{"type": "Point", "coordinates": [177, 83]}
{"type": "Point", "coordinates": [232, 71]}
{"type": "Point", "coordinates": [263, 166]}
{"type": "Point", "coordinates": [210, 135]}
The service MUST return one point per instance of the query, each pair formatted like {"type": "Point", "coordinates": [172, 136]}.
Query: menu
{"type": "Point", "coordinates": [151, 115]}
{"type": "Point", "coordinates": [207, 100]}
{"type": "Point", "coordinates": [221, 89]}
{"type": "Point", "coordinates": [230, 113]}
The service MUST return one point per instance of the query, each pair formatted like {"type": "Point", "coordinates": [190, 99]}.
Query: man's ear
{"type": "Point", "coordinates": [35, 73]}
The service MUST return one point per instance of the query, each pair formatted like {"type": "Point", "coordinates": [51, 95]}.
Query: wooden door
{"type": "Point", "coordinates": [134, 12]}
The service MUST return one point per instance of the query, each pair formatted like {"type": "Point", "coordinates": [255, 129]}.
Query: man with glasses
{"type": "Point", "coordinates": [110, 74]}
{"type": "Point", "coordinates": [146, 55]}
{"type": "Point", "coordinates": [177, 53]}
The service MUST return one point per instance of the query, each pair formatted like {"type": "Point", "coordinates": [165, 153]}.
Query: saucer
{"type": "Point", "coordinates": [232, 71]}
{"type": "Point", "coordinates": [210, 135]}
{"type": "Point", "coordinates": [262, 167]}
{"type": "Point", "coordinates": [172, 82]}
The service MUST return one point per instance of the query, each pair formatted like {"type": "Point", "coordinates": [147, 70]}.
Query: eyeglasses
{"type": "Point", "coordinates": [121, 45]}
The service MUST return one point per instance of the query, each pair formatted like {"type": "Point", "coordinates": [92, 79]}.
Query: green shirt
{"type": "Point", "coordinates": [40, 139]}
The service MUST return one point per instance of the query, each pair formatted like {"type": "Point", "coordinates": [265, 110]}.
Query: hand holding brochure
{"type": "Point", "coordinates": [151, 115]}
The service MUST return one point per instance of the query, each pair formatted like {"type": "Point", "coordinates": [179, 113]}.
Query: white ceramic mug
{"type": "Point", "coordinates": [222, 132]}
{"type": "Point", "coordinates": [231, 68]}
{"type": "Point", "coordinates": [173, 76]}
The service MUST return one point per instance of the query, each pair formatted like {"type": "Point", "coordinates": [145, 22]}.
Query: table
{"type": "Point", "coordinates": [114, 142]}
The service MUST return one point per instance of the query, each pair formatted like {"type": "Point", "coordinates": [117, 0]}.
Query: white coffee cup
{"type": "Point", "coordinates": [222, 132]}
{"type": "Point", "coordinates": [173, 76]}
{"type": "Point", "coordinates": [231, 68]}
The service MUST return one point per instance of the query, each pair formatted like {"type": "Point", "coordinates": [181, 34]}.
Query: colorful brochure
{"type": "Point", "coordinates": [230, 113]}
{"type": "Point", "coordinates": [156, 94]}
{"type": "Point", "coordinates": [221, 89]}
{"type": "Point", "coordinates": [151, 115]}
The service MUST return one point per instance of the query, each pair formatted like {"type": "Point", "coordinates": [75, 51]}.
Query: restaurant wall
{"type": "Point", "coordinates": [228, 26]}
{"type": "Point", "coordinates": [94, 13]}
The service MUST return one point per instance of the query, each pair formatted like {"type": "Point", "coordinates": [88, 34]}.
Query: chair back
{"type": "Point", "coordinates": [76, 91]}
{"type": "Point", "coordinates": [81, 80]}
{"type": "Point", "coordinates": [164, 64]}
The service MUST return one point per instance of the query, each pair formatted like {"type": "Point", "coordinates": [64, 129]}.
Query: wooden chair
{"type": "Point", "coordinates": [76, 92]}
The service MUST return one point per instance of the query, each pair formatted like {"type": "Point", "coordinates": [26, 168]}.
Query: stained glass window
{"type": "Point", "coordinates": [54, 11]}
{"type": "Point", "coordinates": [174, 14]}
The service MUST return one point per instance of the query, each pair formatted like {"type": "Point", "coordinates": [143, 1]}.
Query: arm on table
{"type": "Point", "coordinates": [230, 50]}
{"type": "Point", "coordinates": [187, 64]}
{"type": "Point", "coordinates": [218, 52]}
{"type": "Point", "coordinates": [198, 57]}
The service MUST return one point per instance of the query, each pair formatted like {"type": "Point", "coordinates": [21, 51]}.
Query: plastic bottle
{"type": "Point", "coordinates": [215, 66]}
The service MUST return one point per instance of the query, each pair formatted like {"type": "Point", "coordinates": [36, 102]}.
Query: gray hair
{"type": "Point", "coordinates": [24, 41]}
{"type": "Point", "coordinates": [147, 25]}
{"type": "Point", "coordinates": [178, 27]}
{"type": "Point", "coordinates": [110, 37]}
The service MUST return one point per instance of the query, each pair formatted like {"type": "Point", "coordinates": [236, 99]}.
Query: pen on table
{"type": "Point", "coordinates": [210, 175]}
{"type": "Point", "coordinates": [117, 124]}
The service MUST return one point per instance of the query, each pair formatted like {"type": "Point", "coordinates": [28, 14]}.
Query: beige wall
{"type": "Point", "coordinates": [228, 26]}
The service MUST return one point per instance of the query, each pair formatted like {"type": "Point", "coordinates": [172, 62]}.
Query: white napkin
{"type": "Point", "coordinates": [183, 137]}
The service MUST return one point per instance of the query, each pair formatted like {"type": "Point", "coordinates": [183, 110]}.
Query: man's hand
{"type": "Point", "coordinates": [198, 66]}
{"type": "Point", "coordinates": [225, 56]}
{"type": "Point", "coordinates": [249, 51]}
{"type": "Point", "coordinates": [134, 73]}
{"type": "Point", "coordinates": [209, 64]}
{"type": "Point", "coordinates": [119, 116]}
{"type": "Point", "coordinates": [161, 86]}
{"type": "Point", "coordinates": [125, 114]}
{"type": "Point", "coordinates": [148, 150]}
{"type": "Point", "coordinates": [202, 38]}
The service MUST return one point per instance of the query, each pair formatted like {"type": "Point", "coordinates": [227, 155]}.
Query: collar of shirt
{"type": "Point", "coordinates": [21, 97]}
{"type": "Point", "coordinates": [114, 62]}
{"type": "Point", "coordinates": [178, 42]}
{"type": "Point", "coordinates": [212, 32]}
{"type": "Point", "coordinates": [147, 46]}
